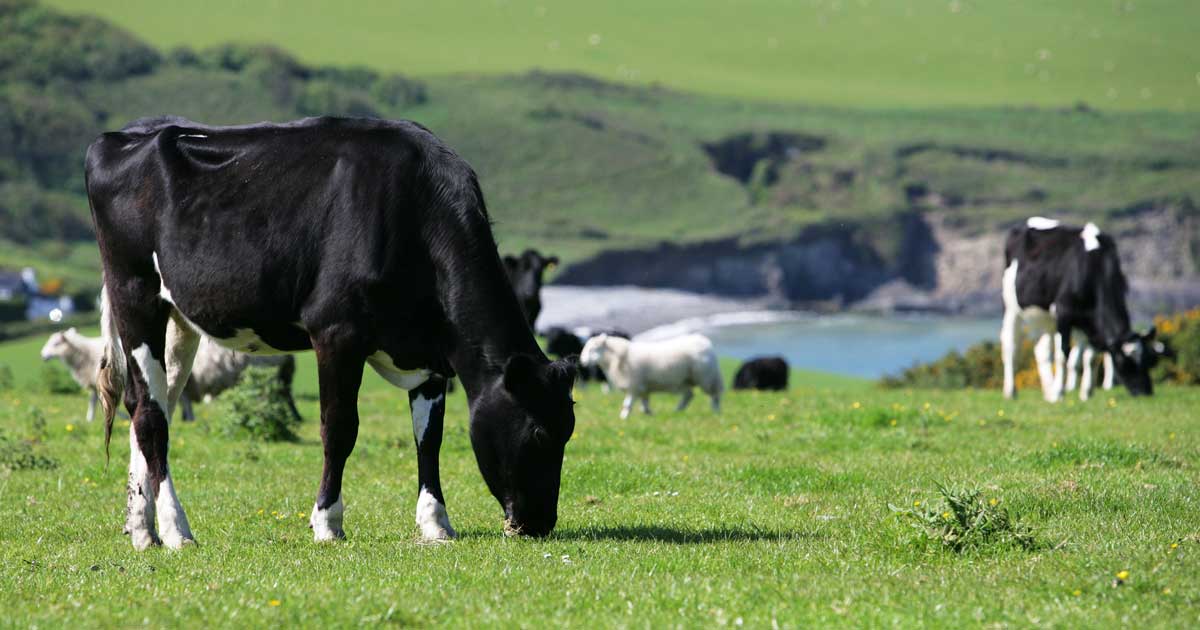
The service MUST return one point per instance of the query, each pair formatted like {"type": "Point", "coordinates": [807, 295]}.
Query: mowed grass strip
{"type": "Point", "coordinates": [774, 511]}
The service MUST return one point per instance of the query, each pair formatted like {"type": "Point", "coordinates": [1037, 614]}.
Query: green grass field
{"type": "Point", "coordinates": [863, 53]}
{"type": "Point", "coordinates": [774, 512]}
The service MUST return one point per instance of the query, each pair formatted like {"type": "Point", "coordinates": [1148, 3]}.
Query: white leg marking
{"type": "Point", "coordinates": [1085, 385]}
{"type": "Point", "coordinates": [156, 377]}
{"type": "Point", "coordinates": [432, 518]}
{"type": "Point", "coordinates": [172, 522]}
{"type": "Point", "coordinates": [139, 511]}
{"type": "Point", "coordinates": [1043, 351]}
{"type": "Point", "coordinates": [1072, 367]}
{"type": "Point", "coordinates": [327, 524]}
{"type": "Point", "coordinates": [1108, 371]}
{"type": "Point", "coordinates": [1008, 330]}
{"type": "Point", "coordinates": [421, 408]}
{"type": "Point", "coordinates": [626, 406]}
{"type": "Point", "coordinates": [1060, 367]}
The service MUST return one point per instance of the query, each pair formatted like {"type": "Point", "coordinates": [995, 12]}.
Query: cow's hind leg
{"type": "Point", "coordinates": [151, 491]}
{"type": "Point", "coordinates": [182, 343]}
{"type": "Point", "coordinates": [1072, 367]}
{"type": "Point", "coordinates": [1085, 383]}
{"type": "Point", "coordinates": [1043, 352]}
{"type": "Point", "coordinates": [428, 406]}
{"type": "Point", "coordinates": [339, 372]}
{"type": "Point", "coordinates": [1008, 350]}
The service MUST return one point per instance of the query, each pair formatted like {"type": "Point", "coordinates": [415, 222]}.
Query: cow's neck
{"type": "Point", "coordinates": [1110, 319]}
{"type": "Point", "coordinates": [487, 325]}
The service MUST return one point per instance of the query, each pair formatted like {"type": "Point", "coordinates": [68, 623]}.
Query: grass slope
{"type": "Point", "coordinates": [774, 511]}
{"type": "Point", "coordinates": [1121, 55]}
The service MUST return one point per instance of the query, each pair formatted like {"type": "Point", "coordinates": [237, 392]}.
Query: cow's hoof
{"type": "Point", "coordinates": [144, 539]}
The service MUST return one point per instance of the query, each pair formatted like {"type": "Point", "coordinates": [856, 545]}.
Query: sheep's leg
{"type": "Point", "coordinates": [685, 400]}
{"type": "Point", "coordinates": [646, 404]}
{"type": "Point", "coordinates": [627, 406]}
{"type": "Point", "coordinates": [185, 403]}
{"type": "Point", "coordinates": [182, 343]}
{"type": "Point", "coordinates": [91, 412]}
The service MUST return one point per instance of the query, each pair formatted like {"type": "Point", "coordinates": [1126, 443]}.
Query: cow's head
{"type": "Point", "coordinates": [56, 346]}
{"type": "Point", "coordinates": [1134, 357]}
{"type": "Point", "coordinates": [519, 429]}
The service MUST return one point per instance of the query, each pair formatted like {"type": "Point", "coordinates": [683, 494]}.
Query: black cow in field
{"type": "Point", "coordinates": [525, 273]}
{"type": "Point", "coordinates": [767, 373]}
{"type": "Point", "coordinates": [365, 240]}
{"type": "Point", "coordinates": [1059, 279]}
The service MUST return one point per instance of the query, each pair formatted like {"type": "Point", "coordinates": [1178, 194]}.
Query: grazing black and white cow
{"type": "Point", "coordinates": [767, 373]}
{"type": "Point", "coordinates": [525, 273]}
{"type": "Point", "coordinates": [365, 240]}
{"type": "Point", "coordinates": [1059, 279]}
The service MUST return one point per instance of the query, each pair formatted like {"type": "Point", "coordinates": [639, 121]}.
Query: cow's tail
{"type": "Point", "coordinates": [111, 378]}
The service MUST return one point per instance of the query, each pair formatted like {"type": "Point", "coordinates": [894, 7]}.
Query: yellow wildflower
{"type": "Point", "coordinates": [274, 602]}
{"type": "Point", "coordinates": [1077, 593]}
{"type": "Point", "coordinates": [1000, 412]}
{"type": "Point", "coordinates": [770, 416]}
{"type": "Point", "coordinates": [916, 504]}
{"type": "Point", "coordinates": [856, 405]}
{"type": "Point", "coordinates": [1123, 575]}
{"type": "Point", "coordinates": [946, 515]}
{"type": "Point", "coordinates": [994, 501]}
{"type": "Point", "coordinates": [1166, 591]}
{"type": "Point", "coordinates": [70, 428]}
{"type": "Point", "coordinates": [925, 406]}
{"type": "Point", "coordinates": [1174, 545]}
{"type": "Point", "coordinates": [892, 422]}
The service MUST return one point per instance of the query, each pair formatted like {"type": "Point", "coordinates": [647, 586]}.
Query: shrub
{"type": "Point", "coordinates": [6, 378]}
{"type": "Point", "coordinates": [55, 379]}
{"type": "Point", "coordinates": [1181, 332]}
{"type": "Point", "coordinates": [257, 407]}
{"type": "Point", "coordinates": [980, 366]}
{"type": "Point", "coordinates": [961, 519]}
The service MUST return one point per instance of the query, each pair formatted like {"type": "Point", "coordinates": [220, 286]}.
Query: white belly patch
{"type": "Point", "coordinates": [404, 379]}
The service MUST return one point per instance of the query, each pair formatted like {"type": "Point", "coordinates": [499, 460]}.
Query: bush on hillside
{"type": "Point", "coordinates": [981, 366]}
{"type": "Point", "coordinates": [257, 407]}
{"type": "Point", "coordinates": [1180, 332]}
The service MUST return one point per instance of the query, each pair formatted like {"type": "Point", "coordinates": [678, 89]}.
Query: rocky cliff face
{"type": "Point", "coordinates": [935, 266]}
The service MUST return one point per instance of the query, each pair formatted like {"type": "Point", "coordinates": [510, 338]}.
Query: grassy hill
{"type": "Point", "coordinates": [1129, 55]}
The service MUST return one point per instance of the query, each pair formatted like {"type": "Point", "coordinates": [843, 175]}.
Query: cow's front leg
{"type": "Point", "coordinates": [428, 406]}
{"type": "Point", "coordinates": [339, 372]}
{"type": "Point", "coordinates": [1085, 383]}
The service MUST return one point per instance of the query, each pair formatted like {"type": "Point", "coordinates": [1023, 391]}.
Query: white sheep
{"type": "Point", "coordinates": [217, 368]}
{"type": "Point", "coordinates": [81, 355]}
{"type": "Point", "coordinates": [214, 370]}
{"type": "Point", "coordinates": [671, 365]}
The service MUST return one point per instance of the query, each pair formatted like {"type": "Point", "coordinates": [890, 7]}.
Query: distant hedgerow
{"type": "Point", "coordinates": [257, 407]}
{"type": "Point", "coordinates": [961, 519]}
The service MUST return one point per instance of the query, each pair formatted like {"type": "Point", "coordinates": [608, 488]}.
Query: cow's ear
{"type": "Point", "coordinates": [562, 373]}
{"type": "Point", "coordinates": [552, 262]}
{"type": "Point", "coordinates": [521, 376]}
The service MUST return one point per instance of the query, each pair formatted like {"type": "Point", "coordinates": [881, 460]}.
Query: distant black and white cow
{"type": "Point", "coordinates": [365, 240]}
{"type": "Point", "coordinates": [525, 273]}
{"type": "Point", "coordinates": [767, 373]}
{"type": "Point", "coordinates": [1059, 279]}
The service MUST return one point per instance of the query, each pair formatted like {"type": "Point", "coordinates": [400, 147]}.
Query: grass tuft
{"type": "Point", "coordinates": [962, 519]}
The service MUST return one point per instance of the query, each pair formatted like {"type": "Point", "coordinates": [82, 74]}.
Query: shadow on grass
{"type": "Point", "coordinates": [682, 536]}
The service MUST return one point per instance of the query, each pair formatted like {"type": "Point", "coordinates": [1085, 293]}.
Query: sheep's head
{"type": "Point", "coordinates": [56, 346]}
{"type": "Point", "coordinates": [594, 350]}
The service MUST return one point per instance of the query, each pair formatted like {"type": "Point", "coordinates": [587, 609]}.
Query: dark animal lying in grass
{"type": "Point", "coordinates": [768, 373]}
